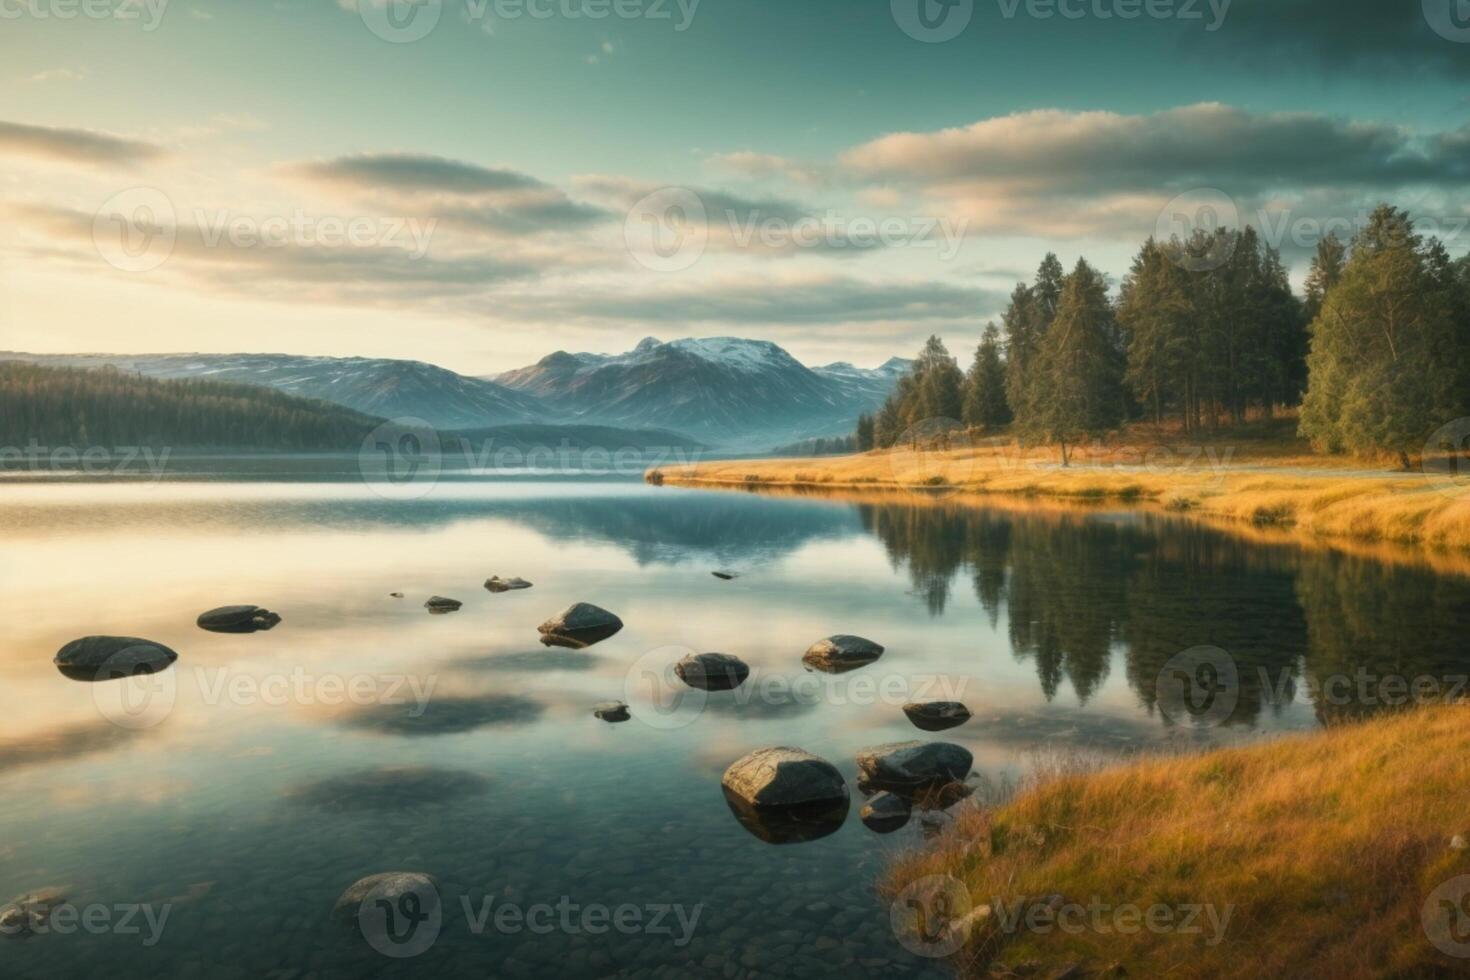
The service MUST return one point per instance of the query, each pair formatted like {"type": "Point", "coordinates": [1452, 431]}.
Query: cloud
{"type": "Point", "coordinates": [74, 145]}
{"type": "Point", "coordinates": [758, 226]}
{"type": "Point", "coordinates": [466, 194]}
{"type": "Point", "coordinates": [1080, 173]}
{"type": "Point", "coordinates": [768, 166]}
{"type": "Point", "coordinates": [210, 255]}
{"type": "Point", "coordinates": [59, 75]}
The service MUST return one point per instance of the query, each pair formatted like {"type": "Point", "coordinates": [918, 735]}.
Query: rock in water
{"type": "Point", "coordinates": [395, 595]}
{"type": "Point", "coordinates": [237, 619]}
{"type": "Point", "coordinates": [841, 653]}
{"type": "Point", "coordinates": [936, 716]}
{"type": "Point", "coordinates": [885, 813]}
{"type": "Point", "coordinates": [912, 766]}
{"type": "Point", "coordinates": [27, 914]}
{"type": "Point", "coordinates": [712, 671]}
{"type": "Point", "coordinates": [611, 711]}
{"type": "Point", "coordinates": [100, 658]}
{"type": "Point", "coordinates": [782, 776]}
{"type": "Point", "coordinates": [392, 887]}
{"type": "Point", "coordinates": [724, 576]}
{"type": "Point", "coordinates": [497, 584]}
{"type": "Point", "coordinates": [578, 626]}
{"type": "Point", "coordinates": [788, 824]}
{"type": "Point", "coordinates": [438, 605]}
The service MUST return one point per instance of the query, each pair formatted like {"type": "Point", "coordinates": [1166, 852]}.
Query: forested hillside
{"type": "Point", "coordinates": [105, 407]}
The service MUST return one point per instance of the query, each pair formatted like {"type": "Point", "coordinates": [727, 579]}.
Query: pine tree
{"type": "Point", "coordinates": [1383, 372]}
{"type": "Point", "coordinates": [864, 433]}
{"type": "Point", "coordinates": [985, 386]}
{"type": "Point", "coordinates": [1075, 390]}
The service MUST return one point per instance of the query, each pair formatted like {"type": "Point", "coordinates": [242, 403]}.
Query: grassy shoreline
{"type": "Point", "coordinates": [1260, 482]}
{"type": "Point", "coordinates": [1321, 855]}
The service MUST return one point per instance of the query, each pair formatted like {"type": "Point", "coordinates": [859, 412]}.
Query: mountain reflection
{"type": "Point", "coordinates": [1354, 635]}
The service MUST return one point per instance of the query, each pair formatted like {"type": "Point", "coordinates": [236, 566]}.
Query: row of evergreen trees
{"type": "Point", "coordinates": [68, 407]}
{"type": "Point", "coordinates": [1207, 331]}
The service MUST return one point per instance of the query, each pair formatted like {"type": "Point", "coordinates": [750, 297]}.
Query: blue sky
{"type": "Point", "coordinates": [523, 150]}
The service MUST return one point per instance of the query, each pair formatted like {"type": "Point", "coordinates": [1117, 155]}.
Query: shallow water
{"type": "Point", "coordinates": [247, 787]}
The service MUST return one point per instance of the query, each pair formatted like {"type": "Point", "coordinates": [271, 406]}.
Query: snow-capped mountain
{"type": "Point", "coordinates": [722, 390]}
{"type": "Point", "coordinates": [374, 386]}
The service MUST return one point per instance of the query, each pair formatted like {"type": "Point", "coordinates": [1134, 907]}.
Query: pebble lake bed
{"type": "Point", "coordinates": [224, 805]}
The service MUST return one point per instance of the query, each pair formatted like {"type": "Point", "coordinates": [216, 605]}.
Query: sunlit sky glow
{"type": "Point", "coordinates": [488, 169]}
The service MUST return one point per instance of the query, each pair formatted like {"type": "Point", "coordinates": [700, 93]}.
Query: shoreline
{"type": "Point", "coordinates": [1308, 496]}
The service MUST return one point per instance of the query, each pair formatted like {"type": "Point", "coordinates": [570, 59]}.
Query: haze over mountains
{"type": "Point", "coordinates": [724, 392]}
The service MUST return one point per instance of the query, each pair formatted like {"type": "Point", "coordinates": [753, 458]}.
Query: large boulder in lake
{"type": "Point", "coordinates": [438, 605]}
{"type": "Point", "coordinates": [936, 716]}
{"type": "Point", "coordinates": [579, 625]}
{"type": "Point", "coordinates": [237, 619]}
{"type": "Point", "coordinates": [497, 584]}
{"type": "Point", "coordinates": [100, 658]}
{"type": "Point", "coordinates": [397, 888]}
{"type": "Point", "coordinates": [712, 671]}
{"type": "Point", "coordinates": [788, 824]}
{"type": "Point", "coordinates": [913, 766]}
{"type": "Point", "coordinates": [783, 776]}
{"type": "Point", "coordinates": [841, 653]}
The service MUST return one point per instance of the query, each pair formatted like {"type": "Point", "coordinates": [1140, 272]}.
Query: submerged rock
{"type": "Point", "coordinates": [611, 711]}
{"type": "Point", "coordinates": [26, 915]}
{"type": "Point", "coordinates": [725, 576]}
{"type": "Point", "coordinates": [841, 653]}
{"type": "Point", "coordinates": [100, 658]}
{"type": "Point", "coordinates": [783, 776]}
{"type": "Point", "coordinates": [237, 619]}
{"type": "Point", "coordinates": [392, 887]}
{"type": "Point", "coordinates": [936, 716]}
{"type": "Point", "coordinates": [885, 813]}
{"type": "Point", "coordinates": [395, 595]}
{"type": "Point", "coordinates": [438, 605]}
{"type": "Point", "coordinates": [497, 584]}
{"type": "Point", "coordinates": [712, 671]}
{"type": "Point", "coordinates": [907, 767]}
{"type": "Point", "coordinates": [579, 625]}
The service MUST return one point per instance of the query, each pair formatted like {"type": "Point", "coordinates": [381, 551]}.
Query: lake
{"type": "Point", "coordinates": [208, 817]}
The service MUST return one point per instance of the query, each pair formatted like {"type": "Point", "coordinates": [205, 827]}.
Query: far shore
{"type": "Point", "coordinates": [1261, 480]}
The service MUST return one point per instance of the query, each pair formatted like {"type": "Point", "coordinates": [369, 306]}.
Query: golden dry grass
{"type": "Point", "coordinates": [1260, 481]}
{"type": "Point", "coordinates": [1323, 847]}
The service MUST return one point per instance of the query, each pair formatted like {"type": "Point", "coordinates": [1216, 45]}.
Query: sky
{"type": "Point", "coordinates": [477, 183]}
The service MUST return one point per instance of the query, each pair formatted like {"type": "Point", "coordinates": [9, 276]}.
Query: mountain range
{"type": "Point", "coordinates": [724, 392]}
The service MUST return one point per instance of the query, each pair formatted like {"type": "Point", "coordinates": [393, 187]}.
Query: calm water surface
{"type": "Point", "coordinates": [251, 784]}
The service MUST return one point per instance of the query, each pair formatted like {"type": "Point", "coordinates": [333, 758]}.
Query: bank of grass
{"type": "Point", "coordinates": [1323, 847]}
{"type": "Point", "coordinates": [1262, 476]}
